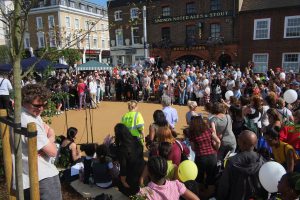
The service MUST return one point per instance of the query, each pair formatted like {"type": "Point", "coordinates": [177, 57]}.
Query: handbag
{"type": "Point", "coordinates": [183, 155]}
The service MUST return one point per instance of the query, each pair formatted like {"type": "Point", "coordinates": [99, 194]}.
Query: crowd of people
{"type": "Point", "coordinates": [247, 122]}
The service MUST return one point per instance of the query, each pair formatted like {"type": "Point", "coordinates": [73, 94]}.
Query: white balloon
{"type": "Point", "coordinates": [228, 94]}
{"type": "Point", "coordinates": [290, 96]}
{"type": "Point", "coordinates": [269, 175]}
{"type": "Point", "coordinates": [205, 82]}
{"type": "Point", "coordinates": [207, 90]}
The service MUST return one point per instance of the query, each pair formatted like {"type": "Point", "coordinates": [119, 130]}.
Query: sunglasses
{"type": "Point", "coordinates": [39, 105]}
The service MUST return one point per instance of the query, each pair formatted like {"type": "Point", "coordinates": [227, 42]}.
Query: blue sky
{"type": "Point", "coordinates": [101, 2]}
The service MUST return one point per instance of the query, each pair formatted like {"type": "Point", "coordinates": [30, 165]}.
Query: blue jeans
{"type": "Point", "coordinates": [181, 97]}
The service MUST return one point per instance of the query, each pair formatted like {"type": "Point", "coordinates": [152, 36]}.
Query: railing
{"type": "Point", "coordinates": [7, 128]}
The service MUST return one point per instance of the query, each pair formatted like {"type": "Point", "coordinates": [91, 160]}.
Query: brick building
{"type": "Point", "coordinates": [193, 30]}
{"type": "Point", "coordinates": [126, 31]}
{"type": "Point", "coordinates": [69, 23]}
{"type": "Point", "coordinates": [269, 34]}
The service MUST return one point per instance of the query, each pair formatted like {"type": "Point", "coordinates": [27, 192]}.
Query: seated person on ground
{"type": "Point", "coordinates": [68, 153]}
{"type": "Point", "coordinates": [101, 167]}
{"type": "Point", "coordinates": [89, 150]}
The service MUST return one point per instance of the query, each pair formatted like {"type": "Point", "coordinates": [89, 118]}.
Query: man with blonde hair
{"type": "Point", "coordinates": [134, 121]}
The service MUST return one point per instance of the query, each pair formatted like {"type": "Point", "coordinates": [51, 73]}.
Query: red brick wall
{"type": "Point", "coordinates": [276, 45]}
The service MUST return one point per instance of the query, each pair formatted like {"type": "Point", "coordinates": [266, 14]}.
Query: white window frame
{"type": "Point", "coordinates": [134, 13]}
{"type": "Point", "coordinates": [41, 35]}
{"type": "Point", "coordinates": [263, 70]}
{"type": "Point", "coordinates": [132, 34]}
{"type": "Point", "coordinates": [68, 39]}
{"type": "Point", "coordinates": [69, 22]}
{"type": "Point", "coordinates": [117, 39]}
{"type": "Point", "coordinates": [38, 21]}
{"type": "Point", "coordinates": [103, 44]}
{"type": "Point", "coordinates": [285, 26]}
{"type": "Point", "coordinates": [51, 23]}
{"type": "Point", "coordinates": [87, 43]}
{"type": "Point", "coordinates": [117, 15]}
{"type": "Point", "coordinates": [255, 28]}
{"type": "Point", "coordinates": [295, 53]}
{"type": "Point", "coordinates": [72, 4]}
{"type": "Point", "coordinates": [82, 7]}
{"type": "Point", "coordinates": [86, 26]}
{"type": "Point", "coordinates": [90, 9]}
{"type": "Point", "coordinates": [95, 38]}
{"type": "Point", "coordinates": [51, 39]}
{"type": "Point", "coordinates": [63, 2]}
{"type": "Point", "coordinates": [26, 37]}
{"type": "Point", "coordinates": [78, 41]}
{"type": "Point", "coordinates": [75, 25]}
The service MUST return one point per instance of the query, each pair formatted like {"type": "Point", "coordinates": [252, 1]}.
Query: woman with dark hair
{"type": "Point", "coordinates": [102, 167]}
{"type": "Point", "coordinates": [69, 153]}
{"type": "Point", "coordinates": [202, 138]}
{"type": "Point", "coordinates": [130, 157]}
{"type": "Point", "coordinates": [159, 188]}
{"type": "Point", "coordinates": [283, 153]}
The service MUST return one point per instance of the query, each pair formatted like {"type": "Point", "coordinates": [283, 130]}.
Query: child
{"type": "Point", "coordinates": [159, 188]}
{"type": "Point", "coordinates": [283, 153]}
{"type": "Point", "coordinates": [288, 186]}
{"type": "Point", "coordinates": [164, 151]}
{"type": "Point", "coordinates": [101, 167]}
{"type": "Point", "coordinates": [89, 150]}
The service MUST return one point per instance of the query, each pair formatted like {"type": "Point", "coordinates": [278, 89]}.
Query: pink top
{"type": "Point", "coordinates": [170, 190]}
{"type": "Point", "coordinates": [81, 88]}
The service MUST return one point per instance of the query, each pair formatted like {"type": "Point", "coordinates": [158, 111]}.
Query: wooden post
{"type": "Point", "coordinates": [33, 162]}
{"type": "Point", "coordinates": [7, 158]}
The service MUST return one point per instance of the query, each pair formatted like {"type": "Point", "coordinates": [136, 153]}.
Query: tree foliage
{"type": "Point", "coordinates": [71, 56]}
{"type": "Point", "coordinates": [4, 54]}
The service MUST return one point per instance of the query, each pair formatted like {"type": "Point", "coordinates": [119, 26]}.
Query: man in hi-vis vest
{"type": "Point", "coordinates": [134, 121]}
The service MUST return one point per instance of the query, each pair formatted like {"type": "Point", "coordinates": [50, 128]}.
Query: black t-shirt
{"type": "Point", "coordinates": [182, 83]}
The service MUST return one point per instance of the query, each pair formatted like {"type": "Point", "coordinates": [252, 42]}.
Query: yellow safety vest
{"type": "Point", "coordinates": [134, 122]}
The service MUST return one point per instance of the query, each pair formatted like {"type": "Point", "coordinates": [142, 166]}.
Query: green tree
{"type": "Point", "coordinates": [71, 56]}
{"type": "Point", "coordinates": [4, 54]}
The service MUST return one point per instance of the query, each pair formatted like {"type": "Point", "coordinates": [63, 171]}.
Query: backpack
{"type": "Point", "coordinates": [250, 125]}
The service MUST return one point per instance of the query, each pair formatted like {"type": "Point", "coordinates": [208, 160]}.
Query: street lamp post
{"type": "Point", "coordinates": [145, 32]}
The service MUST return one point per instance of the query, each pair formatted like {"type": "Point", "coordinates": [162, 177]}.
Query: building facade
{"type": "Point", "coordinates": [191, 31]}
{"type": "Point", "coordinates": [6, 7]}
{"type": "Point", "coordinates": [126, 31]}
{"type": "Point", "coordinates": [269, 34]}
{"type": "Point", "coordinates": [69, 24]}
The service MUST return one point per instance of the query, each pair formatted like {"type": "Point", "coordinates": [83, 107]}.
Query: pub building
{"type": "Point", "coordinates": [191, 31]}
{"type": "Point", "coordinates": [126, 31]}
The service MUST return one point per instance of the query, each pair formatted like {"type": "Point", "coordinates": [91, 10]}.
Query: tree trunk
{"type": "Point", "coordinates": [16, 47]}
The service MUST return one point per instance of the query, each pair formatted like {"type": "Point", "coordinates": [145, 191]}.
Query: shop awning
{"type": "Point", "coordinates": [40, 64]}
{"type": "Point", "coordinates": [93, 65]}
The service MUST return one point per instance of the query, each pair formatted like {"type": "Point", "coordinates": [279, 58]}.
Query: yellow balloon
{"type": "Point", "coordinates": [187, 171]}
